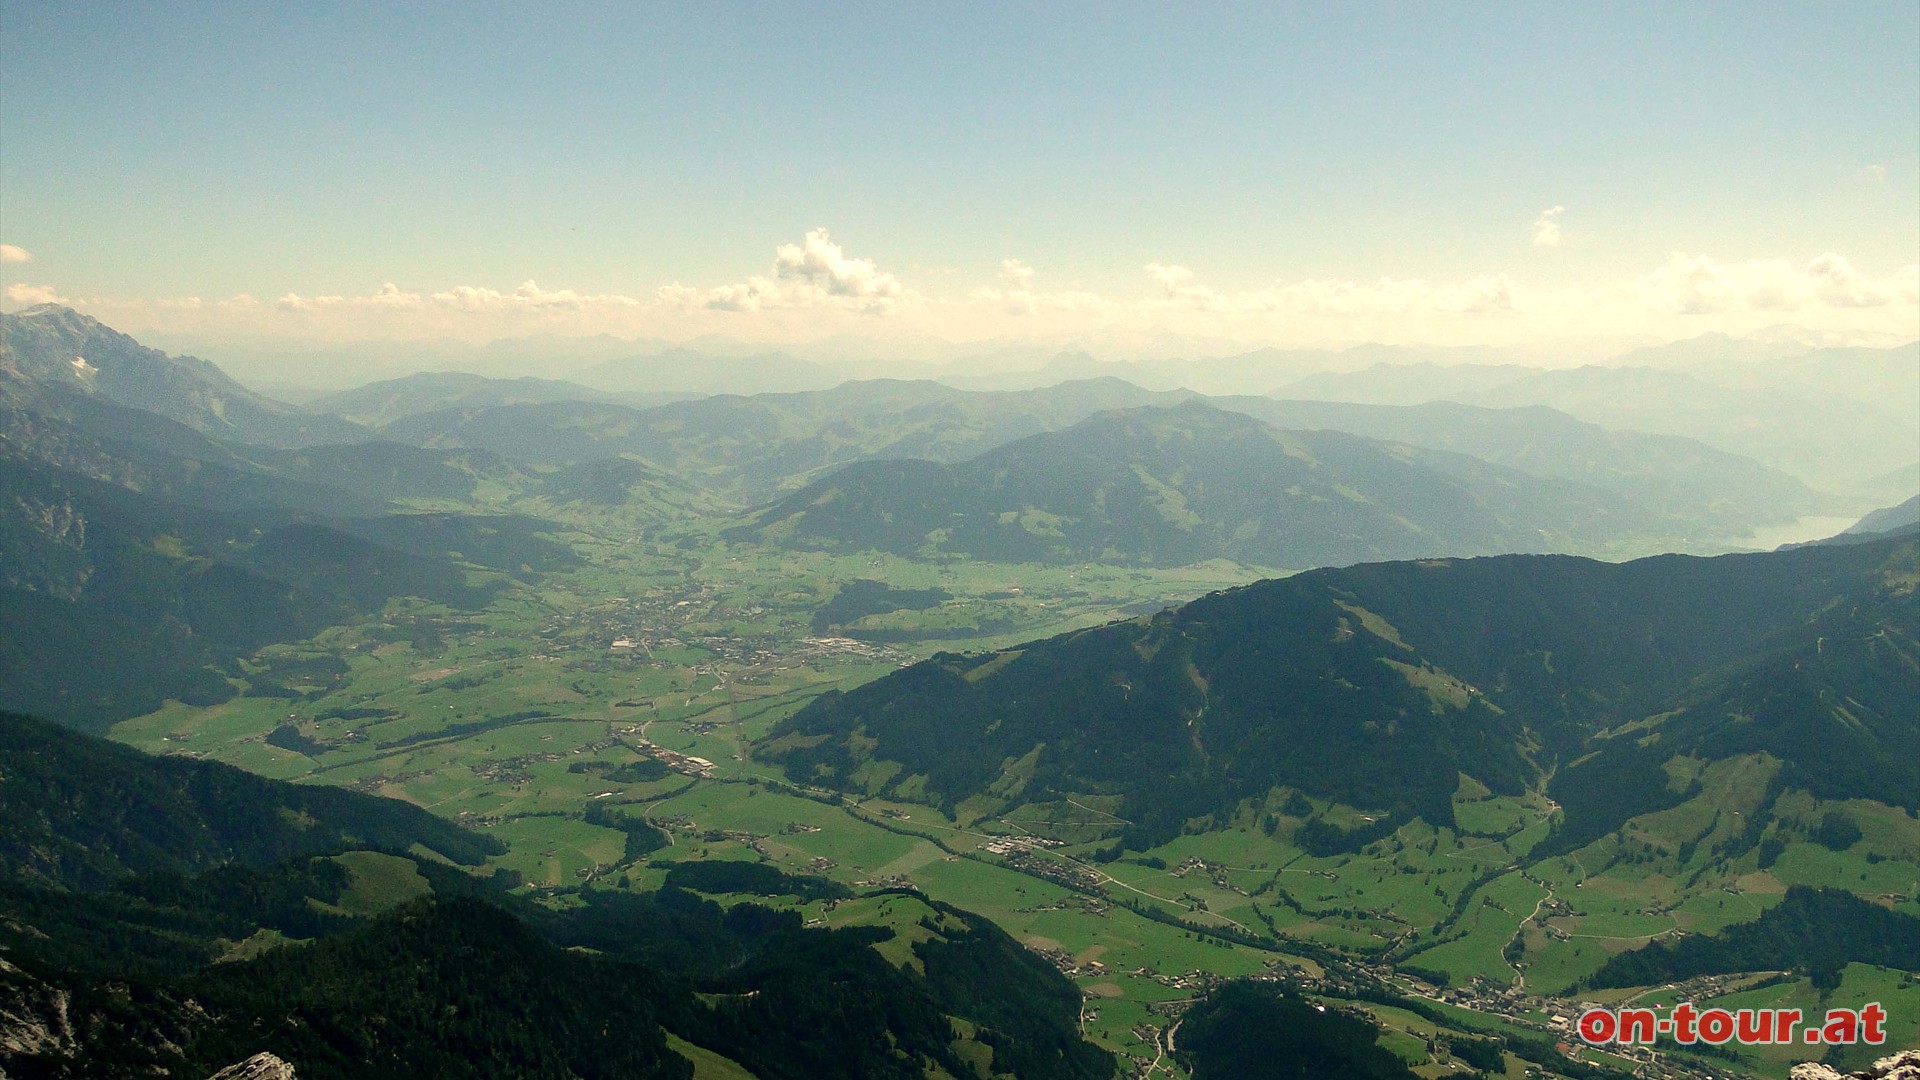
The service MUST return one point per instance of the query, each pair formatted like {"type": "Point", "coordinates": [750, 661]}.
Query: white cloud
{"type": "Point", "coordinates": [1168, 277]}
{"type": "Point", "coordinates": [1698, 285]}
{"type": "Point", "coordinates": [529, 296]}
{"type": "Point", "coordinates": [1023, 299]}
{"type": "Point", "coordinates": [814, 273]}
{"type": "Point", "coordinates": [27, 295]}
{"type": "Point", "coordinates": [13, 253]}
{"type": "Point", "coordinates": [1905, 283]}
{"type": "Point", "coordinates": [1328, 297]}
{"type": "Point", "coordinates": [1546, 227]}
{"type": "Point", "coordinates": [680, 296]}
{"type": "Point", "coordinates": [388, 297]}
{"type": "Point", "coordinates": [1486, 293]}
{"type": "Point", "coordinates": [459, 300]}
{"type": "Point", "coordinates": [1836, 282]}
{"type": "Point", "coordinates": [1877, 172]}
{"type": "Point", "coordinates": [1334, 298]}
{"type": "Point", "coordinates": [822, 263]}
{"type": "Point", "coordinates": [1178, 287]}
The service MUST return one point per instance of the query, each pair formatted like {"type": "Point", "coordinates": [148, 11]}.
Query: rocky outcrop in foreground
{"type": "Point", "coordinates": [257, 1067]}
{"type": "Point", "coordinates": [1904, 1065]}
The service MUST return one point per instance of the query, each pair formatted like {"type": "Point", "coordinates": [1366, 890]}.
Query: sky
{"type": "Point", "coordinates": [1261, 174]}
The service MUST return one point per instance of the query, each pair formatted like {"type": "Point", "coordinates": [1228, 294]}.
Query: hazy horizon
{"type": "Point", "coordinates": [298, 368]}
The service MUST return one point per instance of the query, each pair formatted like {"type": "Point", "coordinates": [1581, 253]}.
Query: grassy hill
{"type": "Point", "coordinates": [757, 448]}
{"type": "Point", "coordinates": [383, 402]}
{"type": "Point", "coordinates": [1175, 486]}
{"type": "Point", "coordinates": [753, 448]}
{"type": "Point", "coordinates": [389, 472]}
{"type": "Point", "coordinates": [1817, 931]}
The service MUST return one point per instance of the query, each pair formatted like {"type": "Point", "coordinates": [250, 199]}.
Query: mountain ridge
{"type": "Point", "coordinates": [1378, 685]}
{"type": "Point", "coordinates": [50, 346]}
{"type": "Point", "coordinates": [1174, 486]}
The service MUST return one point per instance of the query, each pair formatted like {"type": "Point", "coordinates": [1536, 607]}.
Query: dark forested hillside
{"type": "Point", "coordinates": [180, 586]}
{"type": "Point", "coordinates": [185, 860]}
{"type": "Point", "coordinates": [146, 452]}
{"type": "Point", "coordinates": [462, 988]}
{"type": "Point", "coordinates": [124, 580]}
{"type": "Point", "coordinates": [1378, 685]}
{"type": "Point", "coordinates": [79, 812]}
{"type": "Point", "coordinates": [456, 989]}
{"type": "Point", "coordinates": [1249, 1031]}
{"type": "Point", "coordinates": [1812, 931]}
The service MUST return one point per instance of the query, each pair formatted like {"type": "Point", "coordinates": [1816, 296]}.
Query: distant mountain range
{"type": "Point", "coordinates": [453, 440]}
{"type": "Point", "coordinates": [687, 371]}
{"type": "Point", "coordinates": [53, 353]}
{"type": "Point", "coordinates": [1835, 418]}
{"type": "Point", "coordinates": [1699, 490]}
{"type": "Point", "coordinates": [378, 404]}
{"type": "Point", "coordinates": [1889, 519]}
{"type": "Point", "coordinates": [1169, 487]}
{"type": "Point", "coordinates": [754, 449]}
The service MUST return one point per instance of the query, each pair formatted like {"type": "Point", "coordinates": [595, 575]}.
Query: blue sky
{"type": "Point", "coordinates": [152, 154]}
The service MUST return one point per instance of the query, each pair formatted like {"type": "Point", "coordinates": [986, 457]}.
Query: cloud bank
{"type": "Point", "coordinates": [1016, 295]}
{"type": "Point", "coordinates": [1178, 287]}
{"type": "Point", "coordinates": [23, 294]}
{"type": "Point", "coordinates": [814, 289]}
{"type": "Point", "coordinates": [1699, 285]}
